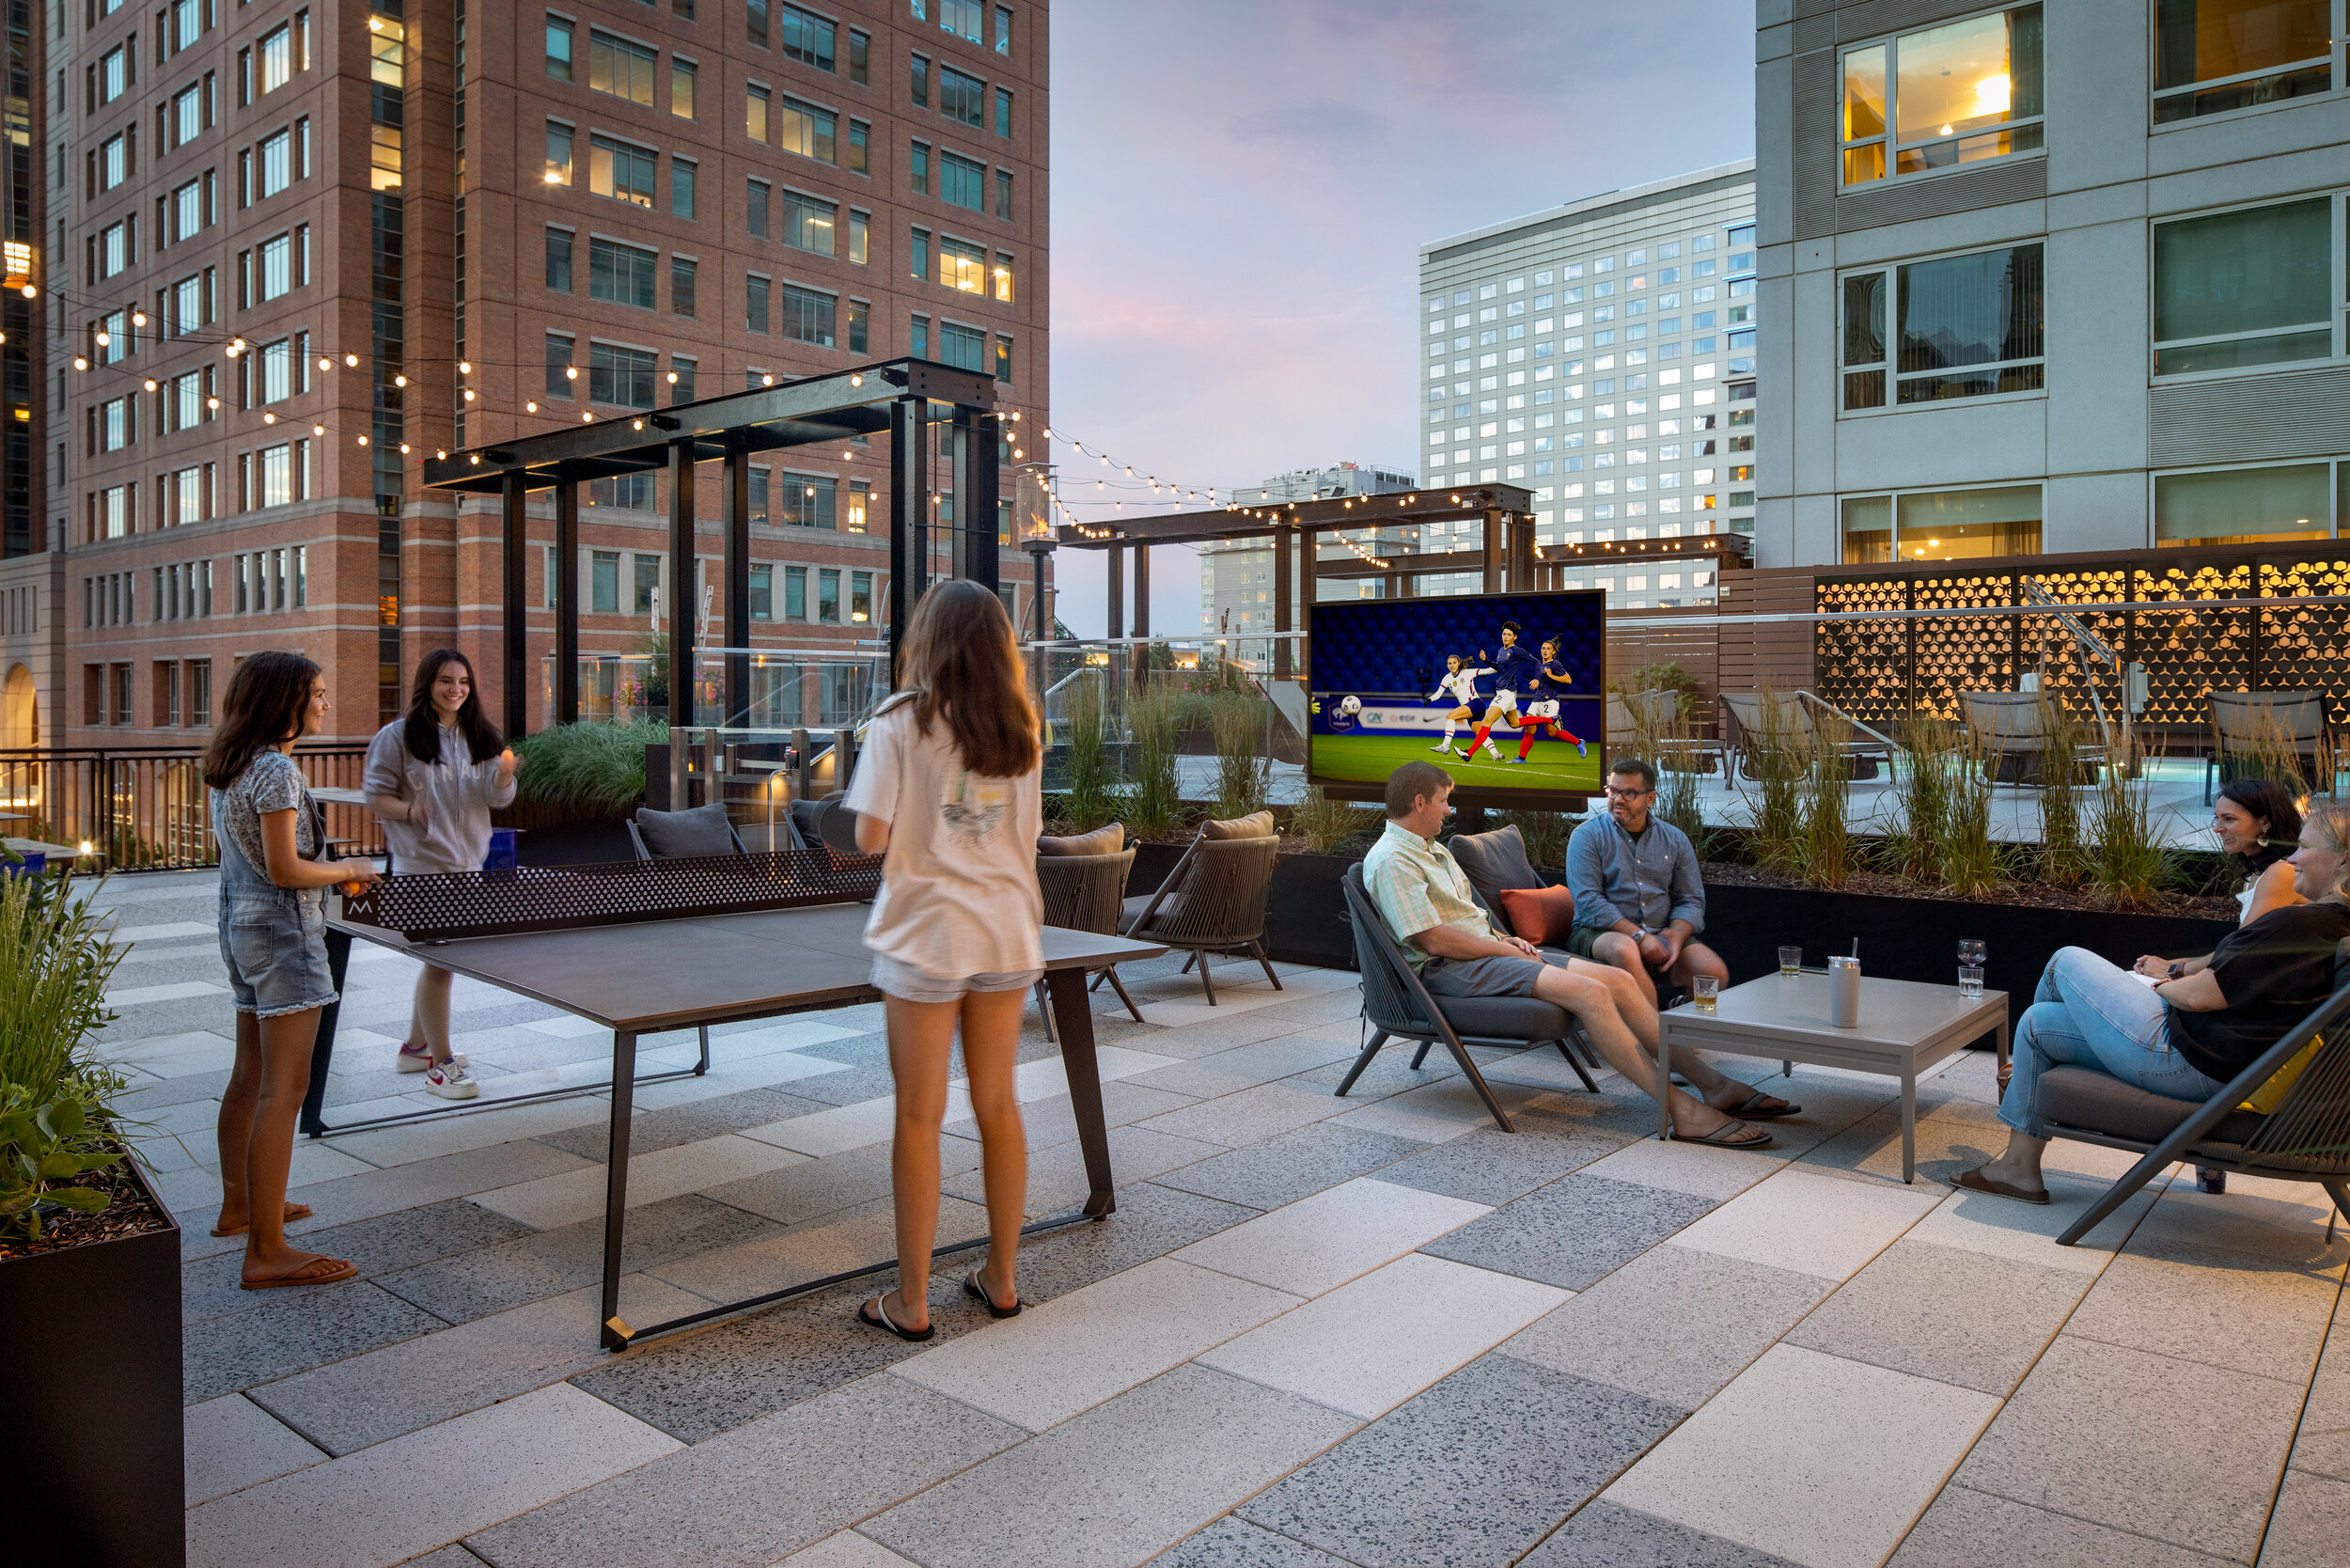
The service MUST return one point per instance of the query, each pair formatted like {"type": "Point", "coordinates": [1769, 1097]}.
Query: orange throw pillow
{"type": "Point", "coordinates": [1542, 916]}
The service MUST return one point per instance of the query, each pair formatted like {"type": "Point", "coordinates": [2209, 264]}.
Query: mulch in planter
{"type": "Point", "coordinates": [2031, 895]}
{"type": "Point", "coordinates": [131, 1213]}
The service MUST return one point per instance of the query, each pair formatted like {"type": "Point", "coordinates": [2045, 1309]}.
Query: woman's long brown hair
{"type": "Point", "coordinates": [962, 663]}
{"type": "Point", "coordinates": [261, 708]}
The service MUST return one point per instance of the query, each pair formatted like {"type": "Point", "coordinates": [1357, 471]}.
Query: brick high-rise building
{"type": "Point", "coordinates": [296, 247]}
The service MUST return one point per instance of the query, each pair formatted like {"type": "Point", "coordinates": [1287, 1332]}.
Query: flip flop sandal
{"type": "Point", "coordinates": [1755, 1113]}
{"type": "Point", "coordinates": [348, 1271]}
{"type": "Point", "coordinates": [972, 1286]}
{"type": "Point", "coordinates": [1722, 1136]}
{"type": "Point", "coordinates": [879, 1318]}
{"type": "Point", "coordinates": [1974, 1181]}
{"type": "Point", "coordinates": [290, 1218]}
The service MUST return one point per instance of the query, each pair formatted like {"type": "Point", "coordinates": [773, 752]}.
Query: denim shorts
{"type": "Point", "coordinates": [273, 940]}
{"type": "Point", "coordinates": [909, 984]}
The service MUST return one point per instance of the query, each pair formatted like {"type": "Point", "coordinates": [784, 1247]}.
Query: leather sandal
{"type": "Point", "coordinates": [973, 1287]}
{"type": "Point", "coordinates": [1974, 1181]}
{"type": "Point", "coordinates": [875, 1314]}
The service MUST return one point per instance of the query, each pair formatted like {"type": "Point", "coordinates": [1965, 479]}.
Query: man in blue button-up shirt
{"type": "Point", "coordinates": [1640, 901]}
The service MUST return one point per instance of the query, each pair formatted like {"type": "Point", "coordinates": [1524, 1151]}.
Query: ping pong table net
{"type": "Point", "coordinates": [440, 907]}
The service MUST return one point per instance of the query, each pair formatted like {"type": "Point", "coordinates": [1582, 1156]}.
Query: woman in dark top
{"type": "Point", "coordinates": [2257, 825]}
{"type": "Point", "coordinates": [2185, 1035]}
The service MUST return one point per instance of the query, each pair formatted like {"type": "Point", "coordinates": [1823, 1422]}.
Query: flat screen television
{"type": "Point", "coordinates": [1396, 681]}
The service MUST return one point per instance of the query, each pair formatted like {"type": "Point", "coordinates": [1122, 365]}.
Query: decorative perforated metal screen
{"type": "Point", "coordinates": [1875, 670]}
{"type": "Point", "coordinates": [559, 898]}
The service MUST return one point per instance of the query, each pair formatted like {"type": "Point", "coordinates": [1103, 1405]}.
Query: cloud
{"type": "Point", "coordinates": [1320, 119]}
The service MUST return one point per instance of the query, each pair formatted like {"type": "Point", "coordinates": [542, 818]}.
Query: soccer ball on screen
{"type": "Point", "coordinates": [1350, 706]}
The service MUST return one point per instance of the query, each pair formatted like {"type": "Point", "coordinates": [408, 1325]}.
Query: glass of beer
{"type": "Point", "coordinates": [1703, 990]}
{"type": "Point", "coordinates": [1791, 961]}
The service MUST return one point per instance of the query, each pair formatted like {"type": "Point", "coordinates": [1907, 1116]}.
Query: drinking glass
{"type": "Point", "coordinates": [1703, 989]}
{"type": "Point", "coordinates": [1972, 952]}
{"type": "Point", "coordinates": [1791, 961]}
{"type": "Point", "coordinates": [1970, 982]}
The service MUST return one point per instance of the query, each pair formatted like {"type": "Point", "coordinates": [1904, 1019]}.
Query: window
{"type": "Point", "coordinates": [622, 376]}
{"type": "Point", "coordinates": [1955, 94]}
{"type": "Point", "coordinates": [918, 338]}
{"type": "Point", "coordinates": [827, 597]}
{"type": "Point", "coordinates": [200, 674]}
{"type": "Point", "coordinates": [762, 592]}
{"type": "Point", "coordinates": [962, 182]}
{"type": "Point", "coordinates": [795, 594]}
{"type": "Point", "coordinates": [1003, 112]}
{"type": "Point", "coordinates": [963, 347]}
{"type": "Point", "coordinates": [187, 210]}
{"type": "Point", "coordinates": [965, 19]}
{"type": "Point", "coordinates": [1003, 279]}
{"type": "Point", "coordinates": [804, 37]}
{"type": "Point", "coordinates": [646, 584]}
{"type": "Point", "coordinates": [558, 49]}
{"type": "Point", "coordinates": [277, 58]}
{"type": "Point", "coordinates": [620, 170]}
{"type": "Point", "coordinates": [681, 188]}
{"type": "Point", "coordinates": [961, 99]}
{"type": "Point", "coordinates": [2215, 55]}
{"type": "Point", "coordinates": [918, 79]}
{"type": "Point", "coordinates": [1003, 359]}
{"type": "Point", "coordinates": [860, 499]}
{"type": "Point", "coordinates": [805, 501]}
{"type": "Point", "coordinates": [807, 223]}
{"type": "Point", "coordinates": [1963, 326]}
{"type": "Point", "coordinates": [280, 267]}
{"type": "Point", "coordinates": [963, 266]}
{"type": "Point", "coordinates": [681, 88]}
{"type": "Point", "coordinates": [918, 254]}
{"type": "Point", "coordinates": [680, 288]}
{"type": "Point", "coordinates": [807, 131]}
{"type": "Point", "coordinates": [187, 114]}
{"type": "Point", "coordinates": [860, 147]}
{"type": "Point", "coordinates": [807, 316]}
{"type": "Point", "coordinates": [681, 376]}
{"type": "Point", "coordinates": [860, 58]}
{"type": "Point", "coordinates": [919, 168]}
{"type": "Point", "coordinates": [622, 68]}
{"type": "Point", "coordinates": [558, 154]}
{"type": "Point", "coordinates": [277, 476]}
{"type": "Point", "coordinates": [603, 582]}
{"type": "Point", "coordinates": [1003, 193]}
{"type": "Point", "coordinates": [755, 208]}
{"type": "Point", "coordinates": [1003, 29]}
{"type": "Point", "coordinates": [859, 240]}
{"type": "Point", "coordinates": [860, 313]}
{"type": "Point", "coordinates": [114, 161]}
{"type": "Point", "coordinates": [2236, 291]}
{"type": "Point", "coordinates": [755, 303]}
{"type": "Point", "coordinates": [277, 162]}
{"type": "Point", "coordinates": [755, 113]}
{"type": "Point", "coordinates": [1944, 524]}
{"type": "Point", "coordinates": [114, 78]}
{"type": "Point", "coordinates": [621, 273]}
{"type": "Point", "coordinates": [2253, 505]}
{"type": "Point", "coordinates": [561, 374]}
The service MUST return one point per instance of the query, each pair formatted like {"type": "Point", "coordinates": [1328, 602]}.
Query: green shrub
{"type": "Point", "coordinates": [1243, 774]}
{"type": "Point", "coordinates": [1321, 824]}
{"type": "Point", "coordinates": [595, 769]}
{"type": "Point", "coordinates": [1545, 835]}
{"type": "Point", "coordinates": [1154, 795]}
{"type": "Point", "coordinates": [1092, 788]}
{"type": "Point", "coordinates": [2128, 865]}
{"type": "Point", "coordinates": [54, 962]}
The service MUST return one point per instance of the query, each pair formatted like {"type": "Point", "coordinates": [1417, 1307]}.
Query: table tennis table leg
{"type": "Point", "coordinates": [1075, 1019]}
{"type": "Point", "coordinates": [616, 1332]}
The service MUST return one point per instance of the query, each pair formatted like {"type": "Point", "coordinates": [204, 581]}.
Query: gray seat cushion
{"type": "Point", "coordinates": [1131, 909]}
{"type": "Point", "coordinates": [1493, 861]}
{"type": "Point", "coordinates": [1505, 1017]}
{"type": "Point", "coordinates": [702, 830]}
{"type": "Point", "coordinates": [2085, 1098]}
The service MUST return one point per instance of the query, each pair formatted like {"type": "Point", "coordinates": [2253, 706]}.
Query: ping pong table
{"type": "Point", "coordinates": [646, 947]}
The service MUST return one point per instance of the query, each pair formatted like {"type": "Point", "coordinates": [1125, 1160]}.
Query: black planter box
{"type": "Point", "coordinates": [91, 1392]}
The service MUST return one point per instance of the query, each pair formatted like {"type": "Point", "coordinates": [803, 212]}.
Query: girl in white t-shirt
{"type": "Point", "coordinates": [947, 785]}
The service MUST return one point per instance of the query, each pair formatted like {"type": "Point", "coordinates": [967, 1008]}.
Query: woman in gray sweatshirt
{"type": "Point", "coordinates": [433, 777]}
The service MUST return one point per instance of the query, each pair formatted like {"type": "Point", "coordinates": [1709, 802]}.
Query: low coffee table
{"type": "Point", "coordinates": [1904, 1028]}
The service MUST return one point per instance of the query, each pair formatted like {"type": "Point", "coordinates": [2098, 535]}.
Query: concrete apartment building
{"type": "Point", "coordinates": [295, 247]}
{"type": "Point", "coordinates": [2051, 278]}
{"type": "Point", "coordinates": [1236, 580]}
{"type": "Point", "coordinates": [1602, 354]}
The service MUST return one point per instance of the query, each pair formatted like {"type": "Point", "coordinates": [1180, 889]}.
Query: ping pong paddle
{"type": "Point", "coordinates": [837, 826]}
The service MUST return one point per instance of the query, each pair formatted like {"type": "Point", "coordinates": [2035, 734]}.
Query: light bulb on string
{"type": "Point", "coordinates": [318, 430]}
{"type": "Point", "coordinates": [530, 408]}
{"type": "Point", "coordinates": [350, 359]}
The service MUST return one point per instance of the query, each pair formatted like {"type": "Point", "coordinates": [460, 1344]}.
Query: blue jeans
{"type": "Point", "coordinates": [2088, 1013]}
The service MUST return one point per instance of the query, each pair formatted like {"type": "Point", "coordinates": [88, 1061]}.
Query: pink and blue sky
{"type": "Point", "coordinates": [1241, 190]}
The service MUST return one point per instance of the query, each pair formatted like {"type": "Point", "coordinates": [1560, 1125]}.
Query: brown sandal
{"type": "Point", "coordinates": [1974, 1181]}
{"type": "Point", "coordinates": [338, 1268]}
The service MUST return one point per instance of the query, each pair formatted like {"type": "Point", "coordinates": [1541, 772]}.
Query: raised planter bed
{"type": "Point", "coordinates": [92, 1394]}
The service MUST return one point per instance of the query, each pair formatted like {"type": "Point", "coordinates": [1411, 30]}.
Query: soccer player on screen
{"type": "Point", "coordinates": [1515, 671]}
{"type": "Point", "coordinates": [1549, 687]}
{"type": "Point", "coordinates": [1460, 683]}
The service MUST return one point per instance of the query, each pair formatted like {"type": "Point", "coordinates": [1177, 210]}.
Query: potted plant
{"type": "Point", "coordinates": [90, 1256]}
{"type": "Point", "coordinates": [578, 785]}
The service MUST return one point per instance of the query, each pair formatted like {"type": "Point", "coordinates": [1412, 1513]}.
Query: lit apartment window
{"type": "Point", "coordinates": [807, 129]}
{"type": "Point", "coordinates": [1942, 524]}
{"type": "Point", "coordinates": [807, 223]}
{"type": "Point", "coordinates": [277, 58]}
{"type": "Point", "coordinates": [558, 154]}
{"type": "Point", "coordinates": [2253, 505]}
{"type": "Point", "coordinates": [963, 266]}
{"type": "Point", "coordinates": [2251, 288]}
{"type": "Point", "coordinates": [621, 170]}
{"type": "Point", "coordinates": [681, 88]}
{"type": "Point", "coordinates": [2215, 55]}
{"type": "Point", "coordinates": [1953, 94]}
{"type": "Point", "coordinates": [1957, 326]}
{"type": "Point", "coordinates": [622, 68]}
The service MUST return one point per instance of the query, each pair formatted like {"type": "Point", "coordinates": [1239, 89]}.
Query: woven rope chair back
{"type": "Point", "coordinates": [1387, 1002]}
{"type": "Point", "coordinates": [2006, 721]}
{"type": "Point", "coordinates": [2245, 719]}
{"type": "Point", "coordinates": [1222, 897]}
{"type": "Point", "coordinates": [1785, 718]}
{"type": "Point", "coordinates": [2308, 1132]}
{"type": "Point", "coordinates": [1082, 892]}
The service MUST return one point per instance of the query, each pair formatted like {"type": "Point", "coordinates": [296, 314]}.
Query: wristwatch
{"type": "Point", "coordinates": [2178, 967]}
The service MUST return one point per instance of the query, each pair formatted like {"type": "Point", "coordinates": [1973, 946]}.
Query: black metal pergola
{"type": "Point", "coordinates": [894, 395]}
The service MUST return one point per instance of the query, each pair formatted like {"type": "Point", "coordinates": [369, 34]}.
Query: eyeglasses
{"type": "Point", "coordinates": [1628, 794]}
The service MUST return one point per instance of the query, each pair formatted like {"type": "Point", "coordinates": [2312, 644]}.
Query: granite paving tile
{"type": "Point", "coordinates": [1603, 1535]}
{"type": "Point", "coordinates": [1057, 1182]}
{"type": "Point", "coordinates": [1967, 1529]}
{"type": "Point", "coordinates": [2065, 1443]}
{"type": "Point", "coordinates": [848, 1549]}
{"type": "Point", "coordinates": [1573, 1231]}
{"type": "Point", "coordinates": [1070, 1353]}
{"type": "Point", "coordinates": [794, 1194]}
{"type": "Point", "coordinates": [1489, 1166]}
{"type": "Point", "coordinates": [1220, 1034]}
{"type": "Point", "coordinates": [387, 1244]}
{"type": "Point", "coordinates": [656, 1130]}
{"type": "Point", "coordinates": [2312, 1524]}
{"type": "Point", "coordinates": [368, 1509]}
{"type": "Point", "coordinates": [1720, 1174]}
{"type": "Point", "coordinates": [549, 1262]}
{"type": "Point", "coordinates": [2200, 1304]}
{"type": "Point", "coordinates": [1758, 1461]}
{"type": "Point", "coordinates": [454, 1555]}
{"type": "Point", "coordinates": [1673, 1324]}
{"type": "Point", "coordinates": [1817, 1224]}
{"type": "Point", "coordinates": [2284, 1223]}
{"type": "Point", "coordinates": [1390, 1072]}
{"type": "Point", "coordinates": [1292, 1164]}
{"type": "Point", "coordinates": [839, 1243]}
{"type": "Point", "coordinates": [293, 1331]}
{"type": "Point", "coordinates": [1150, 1221]}
{"type": "Point", "coordinates": [233, 1442]}
{"type": "Point", "coordinates": [1232, 1542]}
{"type": "Point", "coordinates": [1956, 1137]}
{"type": "Point", "coordinates": [1981, 1222]}
{"type": "Point", "coordinates": [160, 1094]}
{"type": "Point", "coordinates": [1321, 1242]}
{"type": "Point", "coordinates": [1249, 1116]}
{"type": "Point", "coordinates": [1117, 1484]}
{"type": "Point", "coordinates": [699, 1385]}
{"type": "Point", "coordinates": [2012, 1310]}
{"type": "Point", "coordinates": [412, 1186]}
{"type": "Point", "coordinates": [759, 1493]}
{"type": "Point", "coordinates": [2322, 1447]}
{"type": "Point", "coordinates": [1474, 1470]}
{"type": "Point", "coordinates": [582, 1192]}
{"type": "Point", "coordinates": [1243, 1066]}
{"type": "Point", "coordinates": [424, 1140]}
{"type": "Point", "coordinates": [351, 1404]}
{"type": "Point", "coordinates": [1052, 1122]}
{"type": "Point", "coordinates": [868, 1080]}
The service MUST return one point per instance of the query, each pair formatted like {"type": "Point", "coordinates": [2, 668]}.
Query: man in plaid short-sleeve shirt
{"type": "Point", "coordinates": [1424, 899]}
